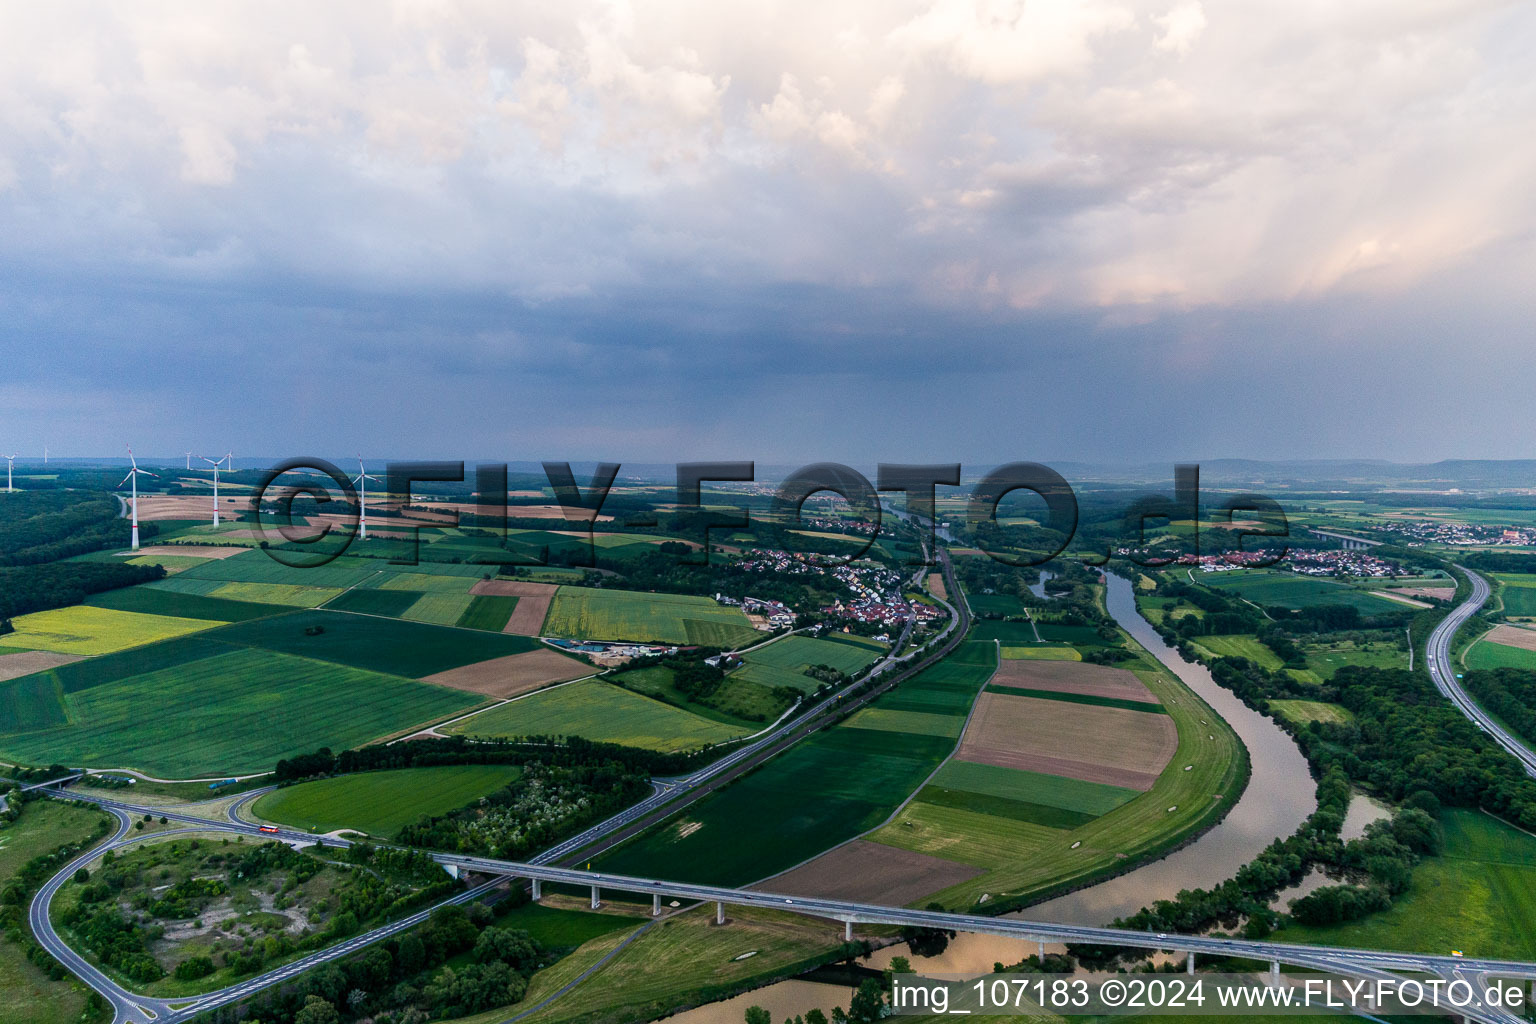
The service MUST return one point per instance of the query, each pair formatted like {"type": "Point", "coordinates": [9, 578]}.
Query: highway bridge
{"type": "Point", "coordinates": [1362, 963]}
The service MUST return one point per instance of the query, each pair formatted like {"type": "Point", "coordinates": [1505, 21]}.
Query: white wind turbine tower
{"type": "Point", "coordinates": [133, 504]}
{"type": "Point", "coordinates": [362, 501]}
{"type": "Point", "coordinates": [10, 461]}
{"type": "Point", "coordinates": [189, 460]}
{"type": "Point", "coordinates": [215, 464]}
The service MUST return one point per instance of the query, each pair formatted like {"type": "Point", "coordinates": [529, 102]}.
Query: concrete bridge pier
{"type": "Point", "coordinates": [848, 931]}
{"type": "Point", "coordinates": [597, 898]}
{"type": "Point", "coordinates": [1189, 964]}
{"type": "Point", "coordinates": [1042, 949]}
{"type": "Point", "coordinates": [656, 904]}
{"type": "Point", "coordinates": [1274, 974]}
{"type": "Point", "coordinates": [538, 890]}
{"type": "Point", "coordinates": [719, 913]}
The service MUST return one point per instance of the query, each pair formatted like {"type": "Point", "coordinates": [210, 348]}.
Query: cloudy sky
{"type": "Point", "coordinates": [787, 231]}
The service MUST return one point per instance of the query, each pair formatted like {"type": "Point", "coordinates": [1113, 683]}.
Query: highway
{"type": "Point", "coordinates": [1437, 654]}
{"type": "Point", "coordinates": [1367, 963]}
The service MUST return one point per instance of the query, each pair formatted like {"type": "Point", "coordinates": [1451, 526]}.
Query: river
{"type": "Point", "coordinates": [1275, 807]}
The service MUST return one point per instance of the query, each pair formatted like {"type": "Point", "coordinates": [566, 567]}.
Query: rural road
{"type": "Point", "coordinates": [1442, 671]}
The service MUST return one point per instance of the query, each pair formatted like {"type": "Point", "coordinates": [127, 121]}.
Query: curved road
{"type": "Point", "coordinates": [1358, 962]}
{"type": "Point", "coordinates": [1367, 963]}
{"type": "Point", "coordinates": [1442, 671]}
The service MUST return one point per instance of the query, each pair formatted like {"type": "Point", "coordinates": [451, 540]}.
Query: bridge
{"type": "Point", "coordinates": [1359, 963]}
{"type": "Point", "coordinates": [1349, 543]}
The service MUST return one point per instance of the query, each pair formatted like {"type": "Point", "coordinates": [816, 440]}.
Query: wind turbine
{"type": "Point", "coordinates": [45, 455]}
{"type": "Point", "coordinates": [189, 460]}
{"type": "Point", "coordinates": [133, 476]}
{"type": "Point", "coordinates": [215, 464]}
{"type": "Point", "coordinates": [10, 461]}
{"type": "Point", "coordinates": [362, 501]}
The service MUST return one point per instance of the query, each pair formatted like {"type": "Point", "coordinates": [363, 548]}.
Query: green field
{"type": "Point", "coordinates": [26, 993]}
{"type": "Point", "coordinates": [1023, 837]}
{"type": "Point", "coordinates": [599, 710]}
{"type": "Point", "coordinates": [1012, 634]}
{"type": "Point", "coordinates": [421, 583]}
{"type": "Point", "coordinates": [382, 803]}
{"type": "Point", "coordinates": [587, 614]}
{"type": "Point", "coordinates": [1029, 788]}
{"type": "Point", "coordinates": [488, 612]}
{"type": "Point", "coordinates": [783, 662]}
{"type": "Point", "coordinates": [995, 604]}
{"type": "Point", "coordinates": [918, 723]}
{"type": "Point", "coordinates": [1487, 654]}
{"type": "Point", "coordinates": [85, 630]}
{"type": "Point", "coordinates": [1326, 659]}
{"type": "Point", "coordinates": [1284, 590]}
{"type": "Point", "coordinates": [186, 606]}
{"type": "Point", "coordinates": [1304, 711]}
{"type": "Point", "coordinates": [439, 608]}
{"type": "Point", "coordinates": [826, 789]}
{"type": "Point", "coordinates": [1240, 645]}
{"type": "Point", "coordinates": [1478, 896]}
{"type": "Point", "coordinates": [1093, 699]}
{"type": "Point", "coordinates": [270, 593]}
{"type": "Point", "coordinates": [1518, 592]}
{"type": "Point", "coordinates": [395, 646]}
{"type": "Point", "coordinates": [373, 602]}
{"type": "Point", "coordinates": [235, 711]}
{"type": "Point", "coordinates": [736, 702]}
{"type": "Point", "coordinates": [259, 567]}
{"type": "Point", "coordinates": [1041, 652]}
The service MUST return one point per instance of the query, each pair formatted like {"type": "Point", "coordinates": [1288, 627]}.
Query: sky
{"type": "Point", "coordinates": [791, 232]}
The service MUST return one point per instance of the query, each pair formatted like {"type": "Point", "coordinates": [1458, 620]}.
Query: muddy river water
{"type": "Point", "coordinates": [1277, 800]}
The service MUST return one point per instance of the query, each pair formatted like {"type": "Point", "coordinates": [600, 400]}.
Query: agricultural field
{"type": "Point", "coordinates": [1486, 654]}
{"type": "Point", "coordinates": [1327, 658]}
{"type": "Point", "coordinates": [1300, 712]}
{"type": "Point", "coordinates": [995, 604]}
{"type": "Point", "coordinates": [1240, 645]}
{"type": "Point", "coordinates": [828, 788]}
{"type": "Point", "coordinates": [438, 608]}
{"type": "Point", "coordinates": [1478, 895]}
{"type": "Point", "coordinates": [267, 593]}
{"type": "Point", "coordinates": [1518, 592]}
{"type": "Point", "coordinates": [783, 662]}
{"type": "Point", "coordinates": [184, 606]}
{"type": "Point", "coordinates": [382, 803]}
{"type": "Point", "coordinates": [1042, 652]}
{"type": "Point", "coordinates": [488, 612]}
{"type": "Point", "coordinates": [394, 646]}
{"type": "Point", "coordinates": [85, 630]}
{"type": "Point", "coordinates": [588, 614]}
{"type": "Point", "coordinates": [1273, 589]}
{"type": "Point", "coordinates": [598, 710]}
{"type": "Point", "coordinates": [259, 567]}
{"type": "Point", "coordinates": [1051, 800]}
{"type": "Point", "coordinates": [213, 709]}
{"type": "Point", "coordinates": [682, 961]}
{"type": "Point", "coordinates": [391, 603]}
{"type": "Point", "coordinates": [1029, 831]}
{"type": "Point", "coordinates": [28, 994]}
{"type": "Point", "coordinates": [736, 702]}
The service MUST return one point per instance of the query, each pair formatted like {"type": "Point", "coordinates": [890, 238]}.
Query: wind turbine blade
{"type": "Point", "coordinates": [126, 478]}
